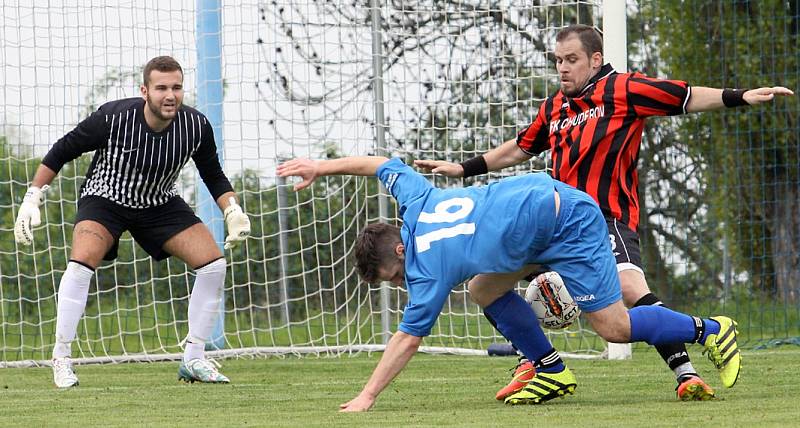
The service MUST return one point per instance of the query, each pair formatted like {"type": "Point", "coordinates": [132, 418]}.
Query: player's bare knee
{"type": "Point", "coordinates": [633, 285]}
{"type": "Point", "coordinates": [90, 256]}
{"type": "Point", "coordinates": [215, 266]}
{"type": "Point", "coordinates": [615, 334]}
{"type": "Point", "coordinates": [477, 293]}
{"type": "Point", "coordinates": [483, 293]}
{"type": "Point", "coordinates": [472, 287]}
{"type": "Point", "coordinates": [610, 330]}
{"type": "Point", "coordinates": [87, 260]}
{"type": "Point", "coordinates": [612, 323]}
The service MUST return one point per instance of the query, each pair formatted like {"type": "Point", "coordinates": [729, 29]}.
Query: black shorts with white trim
{"type": "Point", "coordinates": [150, 227]}
{"type": "Point", "coordinates": [625, 245]}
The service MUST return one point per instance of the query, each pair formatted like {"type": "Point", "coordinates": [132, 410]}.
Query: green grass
{"type": "Point", "coordinates": [132, 325]}
{"type": "Point", "coordinates": [159, 328]}
{"type": "Point", "coordinates": [432, 391]}
{"type": "Point", "coordinates": [155, 329]}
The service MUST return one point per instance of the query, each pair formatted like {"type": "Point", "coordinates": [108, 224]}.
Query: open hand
{"type": "Point", "coordinates": [362, 403]}
{"type": "Point", "coordinates": [448, 169]}
{"type": "Point", "coordinates": [762, 95]}
{"type": "Point", "coordinates": [303, 168]}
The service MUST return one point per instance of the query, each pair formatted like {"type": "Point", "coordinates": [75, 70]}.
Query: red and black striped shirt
{"type": "Point", "coordinates": [595, 137]}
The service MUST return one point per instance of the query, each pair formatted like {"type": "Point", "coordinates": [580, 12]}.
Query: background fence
{"type": "Point", "coordinates": [719, 191]}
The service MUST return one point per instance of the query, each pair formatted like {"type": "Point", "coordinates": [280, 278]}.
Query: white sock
{"type": "Point", "coordinates": [684, 369]}
{"type": "Point", "coordinates": [193, 351]}
{"type": "Point", "coordinates": [204, 307]}
{"type": "Point", "coordinates": [72, 293]}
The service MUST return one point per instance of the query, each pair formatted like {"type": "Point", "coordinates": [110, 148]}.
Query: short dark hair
{"type": "Point", "coordinates": [162, 64]}
{"type": "Point", "coordinates": [375, 246]}
{"type": "Point", "coordinates": [589, 36]}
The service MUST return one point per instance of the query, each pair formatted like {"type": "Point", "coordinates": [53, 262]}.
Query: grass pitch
{"type": "Point", "coordinates": [432, 391]}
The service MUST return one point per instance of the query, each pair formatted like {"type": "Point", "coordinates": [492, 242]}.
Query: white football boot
{"type": "Point", "coordinates": [201, 370]}
{"type": "Point", "coordinates": [63, 375]}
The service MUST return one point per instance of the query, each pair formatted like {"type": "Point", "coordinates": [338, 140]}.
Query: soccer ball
{"type": "Point", "coordinates": [550, 300]}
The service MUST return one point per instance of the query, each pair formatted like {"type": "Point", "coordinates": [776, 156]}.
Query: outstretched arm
{"type": "Point", "coordinates": [399, 350]}
{"type": "Point", "coordinates": [705, 99]}
{"type": "Point", "coordinates": [309, 170]}
{"type": "Point", "coordinates": [505, 155]}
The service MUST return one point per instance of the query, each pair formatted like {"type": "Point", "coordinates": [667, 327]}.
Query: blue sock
{"type": "Point", "coordinates": [518, 323]}
{"type": "Point", "coordinates": [658, 325]}
{"type": "Point", "coordinates": [710, 327]}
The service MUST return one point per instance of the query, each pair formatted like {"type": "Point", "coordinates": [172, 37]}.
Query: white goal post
{"type": "Point", "coordinates": [615, 52]}
{"type": "Point", "coordinates": [300, 78]}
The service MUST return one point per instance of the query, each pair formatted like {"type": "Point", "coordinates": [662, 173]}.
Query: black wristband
{"type": "Point", "coordinates": [733, 97]}
{"type": "Point", "coordinates": [474, 166]}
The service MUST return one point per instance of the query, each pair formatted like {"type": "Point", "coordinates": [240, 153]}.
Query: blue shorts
{"type": "Point", "coordinates": [581, 253]}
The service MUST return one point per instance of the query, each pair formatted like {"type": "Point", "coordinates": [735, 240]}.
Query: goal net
{"type": "Point", "coordinates": [430, 80]}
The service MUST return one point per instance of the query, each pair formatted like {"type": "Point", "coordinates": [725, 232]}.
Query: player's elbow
{"type": "Point", "coordinates": [520, 156]}
{"type": "Point", "coordinates": [510, 155]}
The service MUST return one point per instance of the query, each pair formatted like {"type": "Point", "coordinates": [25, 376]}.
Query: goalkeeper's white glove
{"type": "Point", "coordinates": [238, 224]}
{"type": "Point", "coordinates": [29, 215]}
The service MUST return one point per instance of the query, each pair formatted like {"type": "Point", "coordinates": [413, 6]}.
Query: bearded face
{"type": "Point", "coordinates": [163, 96]}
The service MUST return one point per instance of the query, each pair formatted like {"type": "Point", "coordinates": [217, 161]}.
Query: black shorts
{"type": "Point", "coordinates": [625, 245]}
{"type": "Point", "coordinates": [150, 227]}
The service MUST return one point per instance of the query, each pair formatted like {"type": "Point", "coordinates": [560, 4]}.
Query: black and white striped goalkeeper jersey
{"type": "Point", "coordinates": [133, 165]}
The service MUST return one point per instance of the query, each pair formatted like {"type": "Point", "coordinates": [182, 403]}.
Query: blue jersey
{"type": "Point", "coordinates": [453, 234]}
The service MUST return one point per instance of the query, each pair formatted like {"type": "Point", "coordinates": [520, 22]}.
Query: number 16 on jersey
{"type": "Point", "coordinates": [442, 214]}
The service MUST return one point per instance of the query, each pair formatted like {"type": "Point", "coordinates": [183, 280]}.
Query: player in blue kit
{"type": "Point", "coordinates": [503, 231]}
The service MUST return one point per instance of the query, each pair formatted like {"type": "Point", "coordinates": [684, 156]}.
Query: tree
{"type": "Point", "coordinates": [467, 107]}
{"type": "Point", "coordinates": [680, 242]}
{"type": "Point", "coordinates": [426, 50]}
{"type": "Point", "coordinates": [751, 155]}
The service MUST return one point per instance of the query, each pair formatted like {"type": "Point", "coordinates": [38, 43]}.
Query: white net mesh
{"type": "Point", "coordinates": [458, 78]}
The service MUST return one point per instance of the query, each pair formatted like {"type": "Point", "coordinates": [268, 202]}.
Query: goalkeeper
{"type": "Point", "coordinates": [140, 146]}
{"type": "Point", "coordinates": [451, 235]}
{"type": "Point", "coordinates": [593, 127]}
